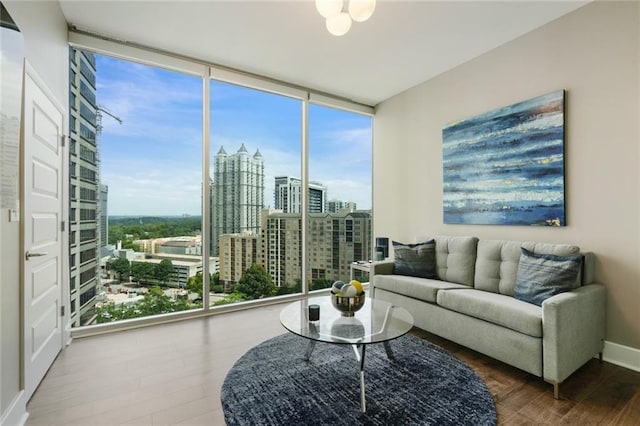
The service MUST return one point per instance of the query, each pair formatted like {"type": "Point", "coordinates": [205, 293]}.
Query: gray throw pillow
{"type": "Point", "coordinates": [416, 260]}
{"type": "Point", "coordinates": [541, 276]}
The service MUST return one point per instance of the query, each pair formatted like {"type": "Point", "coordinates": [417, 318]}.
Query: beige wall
{"type": "Point", "coordinates": [45, 47]}
{"type": "Point", "coordinates": [592, 53]}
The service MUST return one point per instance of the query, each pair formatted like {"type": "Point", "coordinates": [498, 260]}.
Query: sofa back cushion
{"type": "Point", "coordinates": [497, 262]}
{"type": "Point", "coordinates": [497, 265]}
{"type": "Point", "coordinates": [456, 259]}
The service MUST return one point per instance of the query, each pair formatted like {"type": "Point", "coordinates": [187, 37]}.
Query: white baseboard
{"type": "Point", "coordinates": [16, 414]}
{"type": "Point", "coordinates": [624, 356]}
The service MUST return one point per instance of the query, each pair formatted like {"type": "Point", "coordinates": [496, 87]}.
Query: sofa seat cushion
{"type": "Point", "coordinates": [496, 308]}
{"type": "Point", "coordinates": [418, 288]}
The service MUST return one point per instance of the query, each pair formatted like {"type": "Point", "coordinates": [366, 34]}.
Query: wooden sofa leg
{"type": "Point", "coordinates": [600, 356]}
{"type": "Point", "coordinates": [556, 390]}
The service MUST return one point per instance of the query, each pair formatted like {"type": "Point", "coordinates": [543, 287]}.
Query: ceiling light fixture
{"type": "Point", "coordinates": [340, 13]}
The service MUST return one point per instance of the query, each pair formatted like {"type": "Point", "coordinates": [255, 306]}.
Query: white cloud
{"type": "Point", "coordinates": [152, 162]}
{"type": "Point", "coordinates": [152, 187]}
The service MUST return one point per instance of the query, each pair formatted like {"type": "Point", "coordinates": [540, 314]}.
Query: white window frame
{"type": "Point", "coordinates": [208, 71]}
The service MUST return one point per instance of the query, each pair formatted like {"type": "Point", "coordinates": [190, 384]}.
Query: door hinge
{"type": "Point", "coordinates": [63, 225]}
{"type": "Point", "coordinates": [63, 140]}
{"type": "Point", "coordinates": [62, 310]}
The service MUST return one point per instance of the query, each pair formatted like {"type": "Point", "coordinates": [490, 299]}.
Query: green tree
{"type": "Point", "coordinates": [255, 283]}
{"type": "Point", "coordinates": [289, 289]}
{"type": "Point", "coordinates": [122, 266]}
{"type": "Point", "coordinates": [194, 283]}
{"type": "Point", "coordinates": [155, 302]}
{"type": "Point", "coordinates": [152, 227]}
{"type": "Point", "coordinates": [320, 283]}
{"type": "Point", "coordinates": [142, 271]}
{"type": "Point", "coordinates": [128, 244]}
{"type": "Point", "coordinates": [163, 270]}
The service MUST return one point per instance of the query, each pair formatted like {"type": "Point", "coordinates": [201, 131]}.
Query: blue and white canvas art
{"type": "Point", "coordinates": [506, 167]}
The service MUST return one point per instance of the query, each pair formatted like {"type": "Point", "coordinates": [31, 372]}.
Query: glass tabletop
{"type": "Point", "coordinates": [377, 321]}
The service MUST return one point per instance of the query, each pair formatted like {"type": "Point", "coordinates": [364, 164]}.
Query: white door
{"type": "Point", "coordinates": [42, 236]}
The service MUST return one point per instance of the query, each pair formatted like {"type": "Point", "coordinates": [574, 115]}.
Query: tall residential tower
{"type": "Point", "coordinates": [237, 194]}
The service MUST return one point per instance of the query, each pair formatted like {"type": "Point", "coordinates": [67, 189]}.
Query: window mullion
{"type": "Point", "coordinates": [305, 193]}
{"type": "Point", "coordinates": [206, 199]}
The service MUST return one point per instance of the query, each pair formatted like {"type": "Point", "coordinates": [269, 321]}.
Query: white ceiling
{"type": "Point", "coordinates": [403, 44]}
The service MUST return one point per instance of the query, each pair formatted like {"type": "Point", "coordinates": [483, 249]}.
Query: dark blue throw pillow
{"type": "Point", "coordinates": [415, 260]}
{"type": "Point", "coordinates": [541, 276]}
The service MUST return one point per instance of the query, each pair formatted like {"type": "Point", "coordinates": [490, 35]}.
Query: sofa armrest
{"type": "Point", "coordinates": [383, 267]}
{"type": "Point", "coordinates": [573, 327]}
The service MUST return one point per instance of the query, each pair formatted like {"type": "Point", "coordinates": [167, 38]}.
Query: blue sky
{"type": "Point", "coordinates": [152, 161]}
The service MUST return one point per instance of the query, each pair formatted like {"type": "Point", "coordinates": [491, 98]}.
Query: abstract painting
{"type": "Point", "coordinates": [506, 167]}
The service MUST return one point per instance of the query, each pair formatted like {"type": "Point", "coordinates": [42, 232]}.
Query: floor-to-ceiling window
{"type": "Point", "coordinates": [193, 187]}
{"type": "Point", "coordinates": [339, 231]}
{"type": "Point", "coordinates": [255, 208]}
{"type": "Point", "coordinates": [135, 189]}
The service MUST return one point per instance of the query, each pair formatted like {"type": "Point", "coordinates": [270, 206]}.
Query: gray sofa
{"type": "Point", "coordinates": [471, 303]}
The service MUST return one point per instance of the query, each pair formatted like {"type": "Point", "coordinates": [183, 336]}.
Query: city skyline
{"type": "Point", "coordinates": [152, 161]}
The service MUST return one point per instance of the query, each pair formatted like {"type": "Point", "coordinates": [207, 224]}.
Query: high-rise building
{"type": "Point", "coordinates": [237, 194]}
{"type": "Point", "coordinates": [104, 216]}
{"type": "Point", "coordinates": [288, 195]}
{"type": "Point", "coordinates": [84, 187]}
{"type": "Point", "coordinates": [334, 206]}
{"type": "Point", "coordinates": [335, 240]}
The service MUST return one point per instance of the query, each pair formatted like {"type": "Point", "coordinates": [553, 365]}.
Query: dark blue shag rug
{"type": "Point", "coordinates": [272, 384]}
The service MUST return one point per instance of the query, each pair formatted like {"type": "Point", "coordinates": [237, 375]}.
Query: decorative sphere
{"type": "Point", "coordinates": [358, 286]}
{"type": "Point", "coordinates": [349, 291]}
{"type": "Point", "coordinates": [337, 286]}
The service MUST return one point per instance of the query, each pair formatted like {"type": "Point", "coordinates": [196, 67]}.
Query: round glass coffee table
{"type": "Point", "coordinates": [376, 322]}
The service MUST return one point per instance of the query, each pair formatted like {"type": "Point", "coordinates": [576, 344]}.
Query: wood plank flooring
{"type": "Point", "coordinates": [172, 375]}
{"type": "Point", "coordinates": [599, 393]}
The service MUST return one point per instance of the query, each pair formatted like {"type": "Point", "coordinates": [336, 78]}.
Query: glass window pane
{"type": "Point", "coordinates": [255, 228]}
{"type": "Point", "coordinates": [137, 189]}
{"type": "Point", "coordinates": [339, 194]}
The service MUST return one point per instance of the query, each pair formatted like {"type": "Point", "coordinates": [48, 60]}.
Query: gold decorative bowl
{"type": "Point", "coordinates": [348, 305]}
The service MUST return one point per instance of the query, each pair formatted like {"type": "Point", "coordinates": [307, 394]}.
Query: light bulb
{"type": "Point", "coordinates": [339, 24]}
{"type": "Point", "coordinates": [361, 10]}
{"type": "Point", "coordinates": [329, 8]}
